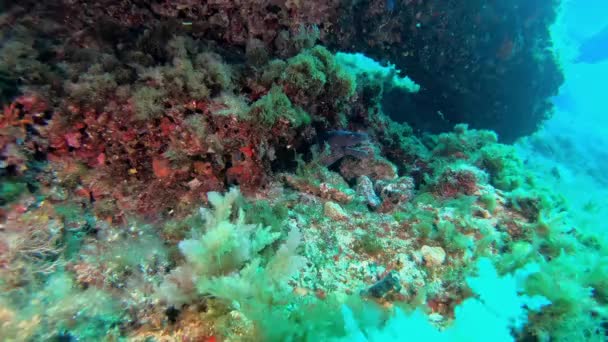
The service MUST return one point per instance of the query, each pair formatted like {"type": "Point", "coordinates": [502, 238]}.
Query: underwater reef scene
{"type": "Point", "coordinates": [285, 170]}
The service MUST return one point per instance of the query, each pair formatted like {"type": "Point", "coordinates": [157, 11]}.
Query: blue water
{"type": "Point", "coordinates": [575, 140]}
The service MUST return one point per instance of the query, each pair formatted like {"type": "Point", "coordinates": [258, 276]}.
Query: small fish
{"type": "Point", "coordinates": [390, 5]}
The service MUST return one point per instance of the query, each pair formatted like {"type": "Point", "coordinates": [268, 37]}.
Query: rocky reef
{"type": "Point", "coordinates": [233, 171]}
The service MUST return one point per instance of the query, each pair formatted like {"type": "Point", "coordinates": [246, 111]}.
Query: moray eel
{"type": "Point", "coordinates": [343, 143]}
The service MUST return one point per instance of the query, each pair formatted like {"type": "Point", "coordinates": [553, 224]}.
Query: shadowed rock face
{"type": "Point", "coordinates": [486, 63]}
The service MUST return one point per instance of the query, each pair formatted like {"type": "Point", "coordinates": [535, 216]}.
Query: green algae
{"type": "Point", "coordinates": [276, 105]}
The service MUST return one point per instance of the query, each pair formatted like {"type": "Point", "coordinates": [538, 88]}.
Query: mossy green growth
{"type": "Point", "coordinates": [140, 248]}
{"type": "Point", "coordinates": [532, 202]}
{"type": "Point", "coordinates": [197, 125]}
{"type": "Point", "coordinates": [425, 198]}
{"type": "Point", "coordinates": [276, 105]}
{"type": "Point", "coordinates": [217, 74]}
{"type": "Point", "coordinates": [194, 73]}
{"type": "Point", "coordinates": [233, 105]}
{"type": "Point", "coordinates": [311, 169]}
{"type": "Point", "coordinates": [598, 277]}
{"type": "Point", "coordinates": [10, 190]}
{"type": "Point", "coordinates": [259, 289]}
{"type": "Point", "coordinates": [311, 77]}
{"type": "Point", "coordinates": [521, 253]}
{"type": "Point", "coordinates": [304, 73]}
{"type": "Point", "coordinates": [184, 78]}
{"type": "Point", "coordinates": [461, 140]}
{"type": "Point", "coordinates": [422, 221]}
{"type": "Point", "coordinates": [87, 314]}
{"type": "Point", "coordinates": [489, 201]}
{"type": "Point", "coordinates": [225, 260]}
{"type": "Point", "coordinates": [315, 72]}
{"type": "Point", "coordinates": [368, 243]}
{"type": "Point", "coordinates": [77, 224]}
{"type": "Point", "coordinates": [463, 205]}
{"type": "Point", "coordinates": [575, 313]}
{"type": "Point", "coordinates": [266, 214]}
{"type": "Point", "coordinates": [60, 308]}
{"type": "Point", "coordinates": [19, 59]}
{"type": "Point", "coordinates": [426, 224]}
{"type": "Point", "coordinates": [481, 148]}
{"type": "Point", "coordinates": [176, 230]}
{"type": "Point", "coordinates": [424, 228]}
{"type": "Point", "coordinates": [342, 84]}
{"type": "Point", "coordinates": [148, 103]}
{"type": "Point", "coordinates": [553, 235]}
{"type": "Point", "coordinates": [272, 72]}
{"type": "Point", "coordinates": [400, 216]}
{"type": "Point", "coordinates": [452, 239]}
{"type": "Point", "coordinates": [505, 168]}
